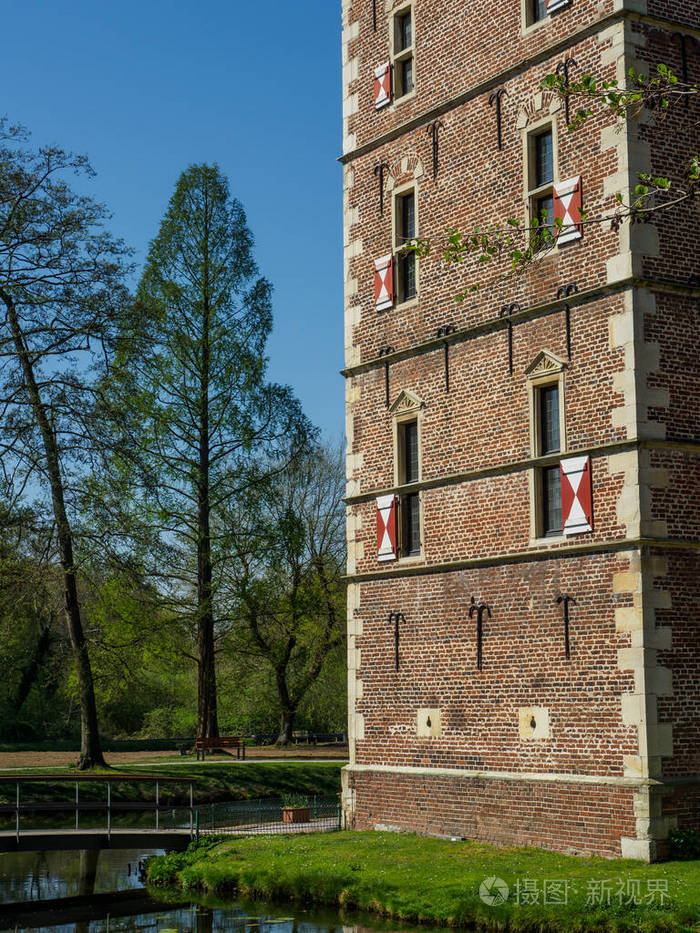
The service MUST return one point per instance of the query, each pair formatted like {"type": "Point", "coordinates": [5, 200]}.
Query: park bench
{"type": "Point", "coordinates": [222, 743]}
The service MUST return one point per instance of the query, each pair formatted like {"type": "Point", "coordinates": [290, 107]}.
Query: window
{"type": "Point", "coordinates": [409, 470]}
{"type": "Point", "coordinates": [540, 176]}
{"type": "Point", "coordinates": [404, 232]}
{"type": "Point", "coordinates": [547, 432]}
{"type": "Point", "coordinates": [538, 10]}
{"type": "Point", "coordinates": [549, 443]}
{"type": "Point", "coordinates": [403, 60]}
{"type": "Point", "coordinates": [548, 439]}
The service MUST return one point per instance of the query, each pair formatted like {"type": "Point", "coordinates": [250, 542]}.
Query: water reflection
{"type": "Point", "coordinates": [103, 892]}
{"type": "Point", "coordinates": [33, 876]}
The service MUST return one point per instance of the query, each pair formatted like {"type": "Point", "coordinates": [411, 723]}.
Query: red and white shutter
{"type": "Point", "coordinates": [382, 85]}
{"type": "Point", "coordinates": [553, 5]}
{"type": "Point", "coordinates": [576, 495]}
{"type": "Point", "coordinates": [384, 282]}
{"type": "Point", "coordinates": [386, 528]}
{"type": "Point", "coordinates": [568, 203]}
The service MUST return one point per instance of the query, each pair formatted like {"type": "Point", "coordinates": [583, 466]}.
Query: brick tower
{"type": "Point", "coordinates": [523, 470]}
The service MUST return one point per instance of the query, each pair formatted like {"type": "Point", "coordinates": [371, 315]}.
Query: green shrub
{"type": "Point", "coordinates": [685, 844]}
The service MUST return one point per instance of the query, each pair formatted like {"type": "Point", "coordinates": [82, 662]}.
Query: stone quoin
{"type": "Point", "coordinates": [523, 466]}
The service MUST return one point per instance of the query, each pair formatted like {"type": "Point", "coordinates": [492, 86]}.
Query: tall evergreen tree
{"type": "Point", "coordinates": [197, 404]}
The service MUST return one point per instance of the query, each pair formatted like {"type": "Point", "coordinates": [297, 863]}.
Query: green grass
{"type": "Point", "coordinates": [212, 782]}
{"type": "Point", "coordinates": [413, 879]}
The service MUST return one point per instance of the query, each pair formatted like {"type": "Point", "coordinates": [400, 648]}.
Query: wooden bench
{"type": "Point", "coordinates": [221, 744]}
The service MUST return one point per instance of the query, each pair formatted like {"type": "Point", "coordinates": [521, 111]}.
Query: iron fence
{"type": "Point", "coordinates": [268, 816]}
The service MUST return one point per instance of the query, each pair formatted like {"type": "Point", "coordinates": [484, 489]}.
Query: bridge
{"type": "Point", "coordinates": [25, 838]}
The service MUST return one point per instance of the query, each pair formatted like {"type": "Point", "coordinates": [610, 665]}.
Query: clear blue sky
{"type": "Point", "coordinates": [147, 88]}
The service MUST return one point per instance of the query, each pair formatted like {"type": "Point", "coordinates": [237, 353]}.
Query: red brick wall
{"type": "Point", "coordinates": [483, 423]}
{"type": "Point", "coordinates": [682, 584]}
{"type": "Point", "coordinates": [524, 665]}
{"type": "Point", "coordinates": [478, 185]}
{"type": "Point", "coordinates": [564, 817]}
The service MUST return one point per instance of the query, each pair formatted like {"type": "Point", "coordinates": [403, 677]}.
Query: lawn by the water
{"type": "Point", "coordinates": [435, 881]}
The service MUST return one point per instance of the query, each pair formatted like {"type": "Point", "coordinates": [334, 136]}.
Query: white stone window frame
{"type": "Point", "coordinates": [545, 370]}
{"type": "Point", "coordinates": [397, 55]}
{"type": "Point", "coordinates": [408, 408]}
{"type": "Point", "coordinates": [397, 246]}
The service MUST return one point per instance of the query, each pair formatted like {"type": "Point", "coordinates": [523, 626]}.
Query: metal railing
{"type": "Point", "coordinates": [166, 816]}
{"type": "Point", "coordinates": [268, 816]}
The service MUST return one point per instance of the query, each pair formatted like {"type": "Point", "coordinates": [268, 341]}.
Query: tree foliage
{"type": "Point", "coordinates": [198, 412]}
{"type": "Point", "coordinates": [283, 579]}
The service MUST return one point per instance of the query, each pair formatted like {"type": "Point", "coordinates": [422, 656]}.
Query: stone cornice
{"type": "Point", "coordinates": [558, 551]}
{"type": "Point", "coordinates": [529, 776]}
{"type": "Point", "coordinates": [484, 87]}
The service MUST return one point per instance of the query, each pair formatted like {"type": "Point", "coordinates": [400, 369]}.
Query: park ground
{"type": "Point", "coordinates": [11, 760]}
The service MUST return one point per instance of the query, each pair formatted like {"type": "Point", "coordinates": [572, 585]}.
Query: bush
{"type": "Point", "coordinates": [685, 844]}
{"type": "Point", "coordinates": [167, 722]}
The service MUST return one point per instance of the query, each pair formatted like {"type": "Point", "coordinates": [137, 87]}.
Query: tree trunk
{"type": "Point", "coordinates": [286, 727]}
{"type": "Point", "coordinates": [207, 718]}
{"type": "Point", "coordinates": [90, 750]}
{"type": "Point", "coordinates": [31, 669]}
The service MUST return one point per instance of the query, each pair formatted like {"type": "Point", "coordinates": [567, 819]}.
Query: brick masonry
{"type": "Point", "coordinates": [598, 752]}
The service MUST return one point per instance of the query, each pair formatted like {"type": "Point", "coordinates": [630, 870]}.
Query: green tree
{"type": "Point", "coordinates": [283, 577]}
{"type": "Point", "coordinates": [61, 288]}
{"type": "Point", "coordinates": [197, 405]}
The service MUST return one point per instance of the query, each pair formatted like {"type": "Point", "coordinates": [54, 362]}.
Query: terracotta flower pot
{"type": "Point", "coordinates": [295, 814]}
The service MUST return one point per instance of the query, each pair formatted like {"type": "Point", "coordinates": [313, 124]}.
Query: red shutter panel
{"type": "Point", "coordinates": [553, 5]}
{"type": "Point", "coordinates": [568, 203]}
{"type": "Point", "coordinates": [576, 495]}
{"type": "Point", "coordinates": [386, 528]}
{"type": "Point", "coordinates": [384, 282]}
{"type": "Point", "coordinates": [382, 85]}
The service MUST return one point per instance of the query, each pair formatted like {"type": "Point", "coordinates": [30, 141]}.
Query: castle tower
{"type": "Point", "coordinates": [523, 475]}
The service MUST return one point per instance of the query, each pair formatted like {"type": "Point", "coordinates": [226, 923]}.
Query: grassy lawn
{"type": "Point", "coordinates": [227, 780]}
{"type": "Point", "coordinates": [414, 879]}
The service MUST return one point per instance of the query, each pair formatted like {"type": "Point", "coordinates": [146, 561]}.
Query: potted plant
{"type": "Point", "coordinates": [295, 809]}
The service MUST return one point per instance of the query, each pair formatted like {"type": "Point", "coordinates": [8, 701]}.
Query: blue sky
{"type": "Point", "coordinates": [147, 88]}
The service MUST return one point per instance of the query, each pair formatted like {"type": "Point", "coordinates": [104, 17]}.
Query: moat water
{"type": "Point", "coordinates": [104, 892]}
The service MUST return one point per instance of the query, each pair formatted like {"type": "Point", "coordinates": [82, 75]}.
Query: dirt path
{"type": "Point", "coordinates": [11, 760]}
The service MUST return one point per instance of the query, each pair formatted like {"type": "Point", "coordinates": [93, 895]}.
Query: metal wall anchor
{"type": "Point", "coordinates": [396, 617]}
{"type": "Point", "coordinates": [379, 170]}
{"type": "Point", "coordinates": [565, 291]}
{"type": "Point", "coordinates": [479, 610]}
{"type": "Point", "coordinates": [566, 600]}
{"type": "Point", "coordinates": [563, 68]}
{"type": "Point", "coordinates": [445, 331]}
{"type": "Point", "coordinates": [385, 351]}
{"type": "Point", "coordinates": [433, 131]}
{"type": "Point", "coordinates": [506, 311]}
{"type": "Point", "coordinates": [495, 98]}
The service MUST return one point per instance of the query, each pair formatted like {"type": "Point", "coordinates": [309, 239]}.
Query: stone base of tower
{"type": "Point", "coordinates": [607, 818]}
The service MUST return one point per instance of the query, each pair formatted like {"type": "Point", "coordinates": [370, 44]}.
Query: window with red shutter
{"type": "Point", "coordinates": [382, 85]}
{"type": "Point", "coordinates": [384, 282]}
{"type": "Point", "coordinates": [386, 528]}
{"type": "Point", "coordinates": [576, 495]}
{"type": "Point", "coordinates": [568, 203]}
